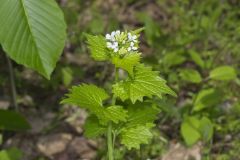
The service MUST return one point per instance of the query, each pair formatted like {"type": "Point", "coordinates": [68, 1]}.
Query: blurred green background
{"type": "Point", "coordinates": [194, 44]}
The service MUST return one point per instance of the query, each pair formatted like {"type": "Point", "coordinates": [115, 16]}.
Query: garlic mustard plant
{"type": "Point", "coordinates": [127, 114]}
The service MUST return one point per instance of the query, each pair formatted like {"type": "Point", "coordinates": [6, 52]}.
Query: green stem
{"type": "Point", "coordinates": [12, 82]}
{"type": "Point", "coordinates": [110, 142]}
{"type": "Point", "coordinates": [110, 136]}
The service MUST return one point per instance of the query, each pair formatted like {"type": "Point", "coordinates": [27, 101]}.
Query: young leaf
{"type": "Point", "coordinates": [145, 82]}
{"type": "Point", "coordinates": [11, 154]}
{"type": "Point", "coordinates": [207, 98]}
{"type": "Point", "coordinates": [67, 76]}
{"type": "Point", "coordinates": [189, 130]}
{"type": "Point", "coordinates": [98, 47]}
{"type": "Point", "coordinates": [32, 33]}
{"type": "Point", "coordinates": [10, 120]}
{"type": "Point", "coordinates": [89, 97]}
{"type": "Point", "coordinates": [197, 58]}
{"type": "Point", "coordinates": [173, 59]}
{"type": "Point", "coordinates": [224, 73]}
{"type": "Point", "coordinates": [92, 128]}
{"type": "Point", "coordinates": [133, 137]}
{"type": "Point", "coordinates": [127, 62]}
{"type": "Point", "coordinates": [206, 129]}
{"type": "Point", "coordinates": [190, 75]}
{"type": "Point", "coordinates": [115, 114]}
{"type": "Point", "coordinates": [138, 31]}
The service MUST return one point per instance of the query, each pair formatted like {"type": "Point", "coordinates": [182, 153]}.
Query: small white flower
{"type": "Point", "coordinates": [113, 34]}
{"type": "Point", "coordinates": [117, 32]}
{"type": "Point", "coordinates": [131, 44]}
{"type": "Point", "coordinates": [115, 44]}
{"type": "Point", "coordinates": [134, 48]}
{"type": "Point", "coordinates": [108, 37]}
{"type": "Point", "coordinates": [132, 38]}
{"type": "Point", "coordinates": [115, 50]}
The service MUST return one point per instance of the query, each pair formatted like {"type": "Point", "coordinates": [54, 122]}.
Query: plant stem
{"type": "Point", "coordinates": [12, 82]}
{"type": "Point", "coordinates": [110, 142]}
{"type": "Point", "coordinates": [110, 137]}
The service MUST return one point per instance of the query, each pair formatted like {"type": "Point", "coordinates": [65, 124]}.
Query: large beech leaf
{"type": "Point", "coordinates": [32, 32]}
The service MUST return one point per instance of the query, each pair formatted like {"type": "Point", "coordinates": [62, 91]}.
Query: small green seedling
{"type": "Point", "coordinates": [127, 113]}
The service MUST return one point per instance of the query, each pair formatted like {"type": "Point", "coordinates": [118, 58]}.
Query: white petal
{"type": "Point", "coordinates": [134, 48]}
{"type": "Point", "coordinates": [113, 34]}
{"type": "Point", "coordinates": [116, 44]}
{"type": "Point", "coordinates": [118, 32]}
{"type": "Point", "coordinates": [113, 39]}
{"type": "Point", "coordinates": [129, 48]}
{"type": "Point", "coordinates": [108, 36]}
{"type": "Point", "coordinates": [116, 49]}
{"type": "Point", "coordinates": [129, 36]}
{"type": "Point", "coordinates": [131, 44]}
{"type": "Point", "coordinates": [134, 37]}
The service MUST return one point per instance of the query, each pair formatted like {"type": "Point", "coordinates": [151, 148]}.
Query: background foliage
{"type": "Point", "coordinates": [195, 46]}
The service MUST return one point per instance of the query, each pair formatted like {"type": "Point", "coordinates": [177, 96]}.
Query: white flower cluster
{"type": "Point", "coordinates": [118, 39]}
{"type": "Point", "coordinates": [132, 39]}
{"type": "Point", "coordinates": [113, 44]}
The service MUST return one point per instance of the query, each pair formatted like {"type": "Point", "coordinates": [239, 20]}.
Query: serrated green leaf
{"type": "Point", "coordinates": [207, 98]}
{"type": "Point", "coordinates": [224, 73]}
{"type": "Point", "coordinates": [32, 33]}
{"type": "Point", "coordinates": [89, 97]}
{"type": "Point", "coordinates": [136, 130]}
{"type": "Point", "coordinates": [115, 114]}
{"type": "Point", "coordinates": [134, 137]}
{"type": "Point", "coordinates": [127, 62]}
{"type": "Point", "coordinates": [93, 128]}
{"type": "Point", "coordinates": [10, 120]}
{"type": "Point", "coordinates": [98, 47]}
{"type": "Point", "coordinates": [190, 75]}
{"type": "Point", "coordinates": [145, 82]}
{"type": "Point", "coordinates": [189, 130]}
{"type": "Point", "coordinates": [141, 114]}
